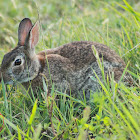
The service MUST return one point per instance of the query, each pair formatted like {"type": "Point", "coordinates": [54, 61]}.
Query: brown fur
{"type": "Point", "coordinates": [72, 59]}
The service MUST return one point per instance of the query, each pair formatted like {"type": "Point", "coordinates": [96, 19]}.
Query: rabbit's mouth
{"type": "Point", "coordinates": [24, 80]}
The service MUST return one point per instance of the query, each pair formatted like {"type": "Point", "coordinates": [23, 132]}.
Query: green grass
{"type": "Point", "coordinates": [110, 114]}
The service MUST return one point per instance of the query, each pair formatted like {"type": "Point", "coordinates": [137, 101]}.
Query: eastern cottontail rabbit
{"type": "Point", "coordinates": [68, 67]}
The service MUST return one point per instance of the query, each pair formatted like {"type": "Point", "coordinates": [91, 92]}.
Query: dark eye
{"type": "Point", "coordinates": [17, 62]}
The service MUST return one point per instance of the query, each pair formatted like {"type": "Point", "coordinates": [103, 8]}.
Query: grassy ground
{"type": "Point", "coordinates": [111, 114]}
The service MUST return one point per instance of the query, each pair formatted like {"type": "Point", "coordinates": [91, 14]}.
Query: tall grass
{"type": "Point", "coordinates": [112, 113]}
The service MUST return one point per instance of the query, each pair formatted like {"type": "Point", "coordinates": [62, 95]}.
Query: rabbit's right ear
{"type": "Point", "coordinates": [34, 36]}
{"type": "Point", "coordinates": [23, 31]}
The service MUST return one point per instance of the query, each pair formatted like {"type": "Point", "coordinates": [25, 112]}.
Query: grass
{"type": "Point", "coordinates": [110, 114]}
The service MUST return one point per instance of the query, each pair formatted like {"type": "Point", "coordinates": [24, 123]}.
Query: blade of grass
{"type": "Point", "coordinates": [84, 28]}
{"type": "Point", "coordinates": [19, 135]}
{"type": "Point", "coordinates": [37, 132]}
{"type": "Point", "coordinates": [31, 118]}
{"type": "Point", "coordinates": [127, 34]}
{"type": "Point", "coordinates": [130, 8]}
{"type": "Point", "coordinates": [5, 98]}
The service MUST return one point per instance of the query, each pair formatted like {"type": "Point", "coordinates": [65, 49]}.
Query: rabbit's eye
{"type": "Point", "coordinates": [17, 62]}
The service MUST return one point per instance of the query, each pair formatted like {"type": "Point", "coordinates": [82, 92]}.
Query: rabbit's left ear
{"type": "Point", "coordinates": [23, 31]}
{"type": "Point", "coordinates": [34, 35]}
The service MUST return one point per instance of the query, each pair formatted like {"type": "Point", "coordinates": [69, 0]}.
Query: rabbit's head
{"type": "Point", "coordinates": [22, 64]}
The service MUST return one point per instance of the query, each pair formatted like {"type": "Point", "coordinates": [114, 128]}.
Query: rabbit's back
{"type": "Point", "coordinates": [80, 53]}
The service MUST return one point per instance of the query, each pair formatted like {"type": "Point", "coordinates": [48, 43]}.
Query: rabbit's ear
{"type": "Point", "coordinates": [23, 31]}
{"type": "Point", "coordinates": [34, 35]}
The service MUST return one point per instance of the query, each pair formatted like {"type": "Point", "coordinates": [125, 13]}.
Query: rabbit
{"type": "Point", "coordinates": [68, 67]}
